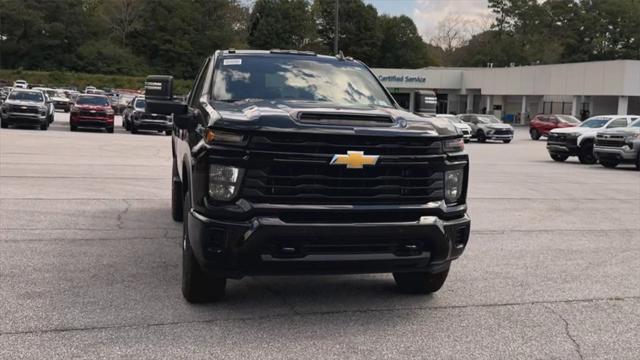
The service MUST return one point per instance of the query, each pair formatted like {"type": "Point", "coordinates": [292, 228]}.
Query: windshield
{"type": "Point", "coordinates": [594, 123]}
{"type": "Point", "coordinates": [139, 104]}
{"type": "Point", "coordinates": [26, 96]}
{"type": "Point", "coordinates": [92, 100]}
{"type": "Point", "coordinates": [568, 119]}
{"type": "Point", "coordinates": [318, 79]}
{"type": "Point", "coordinates": [489, 119]}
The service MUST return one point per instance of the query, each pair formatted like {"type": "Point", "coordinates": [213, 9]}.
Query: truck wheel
{"type": "Point", "coordinates": [559, 158]}
{"type": "Point", "coordinates": [176, 195]}
{"type": "Point", "coordinates": [133, 128]}
{"type": "Point", "coordinates": [44, 125]}
{"type": "Point", "coordinates": [638, 162]}
{"type": "Point", "coordinates": [168, 132]}
{"type": "Point", "coordinates": [420, 282]}
{"type": "Point", "coordinates": [110, 130]}
{"type": "Point", "coordinates": [482, 138]}
{"type": "Point", "coordinates": [73, 127]}
{"type": "Point", "coordinates": [535, 134]}
{"type": "Point", "coordinates": [4, 124]}
{"type": "Point", "coordinates": [611, 164]}
{"type": "Point", "coordinates": [586, 155]}
{"type": "Point", "coordinates": [197, 286]}
{"type": "Point", "coordinates": [506, 141]}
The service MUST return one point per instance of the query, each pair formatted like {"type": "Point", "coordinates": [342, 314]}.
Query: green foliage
{"type": "Point", "coordinates": [401, 45]}
{"type": "Point", "coordinates": [81, 80]}
{"type": "Point", "coordinates": [533, 32]}
{"type": "Point", "coordinates": [281, 24]}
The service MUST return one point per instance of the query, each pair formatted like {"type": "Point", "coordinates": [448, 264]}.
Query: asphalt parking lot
{"type": "Point", "coordinates": [89, 266]}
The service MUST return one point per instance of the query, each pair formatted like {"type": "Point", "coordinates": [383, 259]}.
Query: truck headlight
{"type": "Point", "coordinates": [453, 180]}
{"type": "Point", "coordinates": [223, 182]}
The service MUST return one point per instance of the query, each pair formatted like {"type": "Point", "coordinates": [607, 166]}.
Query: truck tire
{"type": "Point", "coordinates": [420, 282]}
{"type": "Point", "coordinates": [110, 130]}
{"type": "Point", "coordinates": [133, 128]}
{"type": "Point", "coordinates": [586, 154]}
{"type": "Point", "coordinates": [73, 127]}
{"type": "Point", "coordinates": [176, 195]}
{"type": "Point", "coordinates": [534, 133]}
{"type": "Point", "coordinates": [559, 158]}
{"type": "Point", "coordinates": [197, 286]}
{"type": "Point", "coordinates": [482, 138]}
{"type": "Point", "coordinates": [168, 132]}
{"type": "Point", "coordinates": [506, 141]}
{"type": "Point", "coordinates": [44, 125]}
{"type": "Point", "coordinates": [611, 164]}
{"type": "Point", "coordinates": [638, 162]}
{"type": "Point", "coordinates": [4, 124]}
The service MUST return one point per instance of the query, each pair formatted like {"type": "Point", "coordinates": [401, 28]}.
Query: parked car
{"type": "Point", "coordinates": [464, 128]}
{"type": "Point", "coordinates": [123, 102]}
{"type": "Point", "coordinates": [89, 89]}
{"type": "Point", "coordinates": [58, 99]}
{"type": "Point", "coordinates": [139, 119]}
{"type": "Point", "coordinates": [488, 127]}
{"type": "Point", "coordinates": [330, 178]}
{"type": "Point", "coordinates": [92, 111]}
{"type": "Point", "coordinates": [4, 92]}
{"type": "Point", "coordinates": [20, 84]}
{"type": "Point", "coordinates": [619, 145]}
{"type": "Point", "coordinates": [578, 141]}
{"type": "Point", "coordinates": [26, 108]}
{"type": "Point", "coordinates": [541, 124]}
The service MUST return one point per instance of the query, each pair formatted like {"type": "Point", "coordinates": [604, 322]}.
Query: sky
{"type": "Point", "coordinates": [427, 13]}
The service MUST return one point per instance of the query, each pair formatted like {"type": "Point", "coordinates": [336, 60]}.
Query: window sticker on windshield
{"type": "Point", "coordinates": [232, 62]}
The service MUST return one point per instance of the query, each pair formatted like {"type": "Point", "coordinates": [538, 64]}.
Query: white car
{"type": "Point", "coordinates": [578, 141]}
{"type": "Point", "coordinates": [58, 98]}
{"type": "Point", "coordinates": [459, 124]}
{"type": "Point", "coordinates": [20, 84]}
{"type": "Point", "coordinates": [488, 127]}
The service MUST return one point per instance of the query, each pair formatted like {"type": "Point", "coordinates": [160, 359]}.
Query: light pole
{"type": "Point", "coordinates": [336, 48]}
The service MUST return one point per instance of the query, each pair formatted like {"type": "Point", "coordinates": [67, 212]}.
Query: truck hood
{"type": "Point", "coordinates": [575, 130]}
{"type": "Point", "coordinates": [620, 131]}
{"type": "Point", "coordinates": [25, 103]}
{"type": "Point", "coordinates": [279, 115]}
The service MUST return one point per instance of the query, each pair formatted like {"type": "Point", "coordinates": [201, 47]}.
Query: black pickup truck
{"type": "Point", "coordinates": [289, 162]}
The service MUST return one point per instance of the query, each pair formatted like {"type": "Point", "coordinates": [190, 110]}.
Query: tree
{"type": "Point", "coordinates": [280, 24]}
{"type": "Point", "coordinates": [122, 16]}
{"type": "Point", "coordinates": [360, 34]}
{"type": "Point", "coordinates": [401, 45]}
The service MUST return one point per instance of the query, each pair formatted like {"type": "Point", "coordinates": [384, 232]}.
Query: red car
{"type": "Point", "coordinates": [542, 124]}
{"type": "Point", "coordinates": [92, 111]}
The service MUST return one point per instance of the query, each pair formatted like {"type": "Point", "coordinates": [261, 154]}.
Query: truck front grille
{"type": "Point", "coordinates": [295, 169]}
{"type": "Point", "coordinates": [24, 109]}
{"type": "Point", "coordinates": [88, 113]}
{"type": "Point", "coordinates": [610, 142]}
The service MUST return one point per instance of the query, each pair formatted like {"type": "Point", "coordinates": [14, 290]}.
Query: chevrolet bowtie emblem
{"type": "Point", "coordinates": [354, 159]}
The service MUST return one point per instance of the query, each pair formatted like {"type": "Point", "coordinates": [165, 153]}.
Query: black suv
{"type": "Point", "coordinates": [289, 162]}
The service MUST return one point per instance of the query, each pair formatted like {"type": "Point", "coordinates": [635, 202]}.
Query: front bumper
{"type": "Point", "coordinates": [499, 136]}
{"type": "Point", "coordinates": [91, 122]}
{"type": "Point", "coordinates": [269, 245]}
{"type": "Point", "coordinates": [624, 153]}
{"type": "Point", "coordinates": [563, 149]}
{"type": "Point", "coordinates": [158, 125]}
{"type": "Point", "coordinates": [23, 118]}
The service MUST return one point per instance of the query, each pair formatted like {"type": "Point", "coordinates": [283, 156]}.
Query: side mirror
{"type": "Point", "coordinates": [158, 91]}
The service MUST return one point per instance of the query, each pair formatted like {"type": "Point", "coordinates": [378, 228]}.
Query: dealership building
{"type": "Point", "coordinates": [518, 93]}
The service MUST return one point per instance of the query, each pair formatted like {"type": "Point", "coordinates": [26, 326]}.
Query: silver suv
{"type": "Point", "coordinates": [488, 127]}
{"type": "Point", "coordinates": [27, 108]}
{"type": "Point", "coordinates": [621, 145]}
